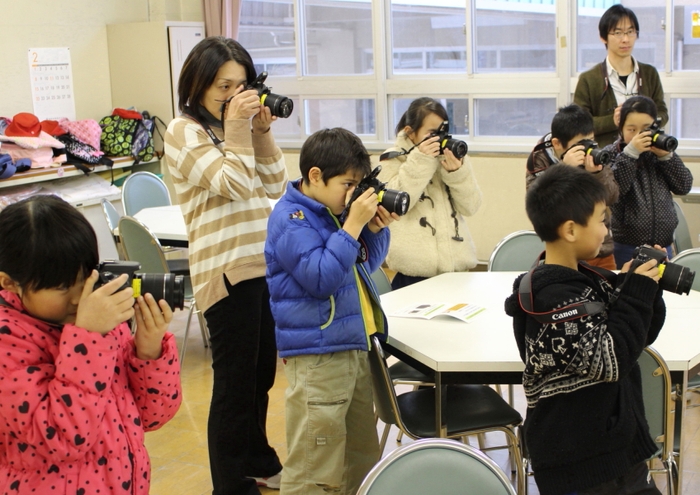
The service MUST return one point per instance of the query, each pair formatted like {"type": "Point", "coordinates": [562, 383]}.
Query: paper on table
{"type": "Point", "coordinates": [462, 311]}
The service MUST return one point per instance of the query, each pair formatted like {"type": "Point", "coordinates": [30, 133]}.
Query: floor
{"type": "Point", "coordinates": [179, 450]}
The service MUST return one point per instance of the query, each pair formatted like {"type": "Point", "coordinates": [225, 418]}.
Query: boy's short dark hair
{"type": "Point", "coordinates": [335, 152]}
{"type": "Point", "coordinates": [560, 194]}
{"type": "Point", "coordinates": [571, 121]}
{"type": "Point", "coordinates": [612, 17]}
{"type": "Point", "coordinates": [636, 104]}
{"type": "Point", "coordinates": [46, 243]}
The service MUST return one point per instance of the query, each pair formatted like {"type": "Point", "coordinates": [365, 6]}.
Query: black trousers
{"type": "Point", "coordinates": [244, 358]}
{"type": "Point", "coordinates": [400, 280]}
{"type": "Point", "coordinates": [636, 482]}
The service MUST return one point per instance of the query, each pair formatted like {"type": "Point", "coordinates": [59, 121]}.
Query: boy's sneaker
{"type": "Point", "coordinates": [273, 482]}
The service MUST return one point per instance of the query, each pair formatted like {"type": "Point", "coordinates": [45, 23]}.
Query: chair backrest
{"type": "Point", "coordinates": [681, 236]}
{"type": "Point", "coordinates": [111, 214]}
{"type": "Point", "coordinates": [381, 281]}
{"type": "Point", "coordinates": [657, 388]}
{"type": "Point", "coordinates": [385, 403]}
{"type": "Point", "coordinates": [440, 466]}
{"type": "Point", "coordinates": [144, 190]}
{"type": "Point", "coordinates": [690, 258]}
{"type": "Point", "coordinates": [516, 252]}
{"type": "Point", "coordinates": [141, 245]}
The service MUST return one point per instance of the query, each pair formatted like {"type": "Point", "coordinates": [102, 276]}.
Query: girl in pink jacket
{"type": "Point", "coordinates": [77, 390]}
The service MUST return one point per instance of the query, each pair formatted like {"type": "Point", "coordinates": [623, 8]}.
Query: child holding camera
{"type": "Point", "coordinates": [580, 330]}
{"type": "Point", "coordinates": [647, 176]}
{"type": "Point", "coordinates": [570, 143]}
{"type": "Point", "coordinates": [320, 252]}
{"type": "Point", "coordinates": [433, 237]}
{"type": "Point", "coordinates": [78, 389]}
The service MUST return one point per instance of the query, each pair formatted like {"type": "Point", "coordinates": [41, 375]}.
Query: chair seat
{"type": "Point", "coordinates": [407, 373]}
{"type": "Point", "coordinates": [179, 266]}
{"type": "Point", "coordinates": [468, 407]}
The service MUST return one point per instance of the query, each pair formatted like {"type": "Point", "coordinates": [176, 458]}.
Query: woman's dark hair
{"type": "Point", "coordinates": [200, 69]}
{"type": "Point", "coordinates": [335, 152]}
{"type": "Point", "coordinates": [636, 104]}
{"type": "Point", "coordinates": [417, 111]}
{"type": "Point", "coordinates": [612, 17]}
{"type": "Point", "coordinates": [45, 243]}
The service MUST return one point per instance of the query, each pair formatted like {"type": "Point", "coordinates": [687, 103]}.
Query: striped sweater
{"type": "Point", "coordinates": [223, 193]}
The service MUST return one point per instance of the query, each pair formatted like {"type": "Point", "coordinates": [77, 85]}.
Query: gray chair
{"type": "Point", "coordinates": [381, 280]}
{"type": "Point", "coordinates": [681, 237]}
{"type": "Point", "coordinates": [439, 466]}
{"type": "Point", "coordinates": [658, 404]}
{"type": "Point", "coordinates": [144, 190]}
{"type": "Point", "coordinates": [141, 245]}
{"type": "Point", "coordinates": [516, 252]}
{"type": "Point", "coordinates": [112, 218]}
{"type": "Point", "coordinates": [469, 409]}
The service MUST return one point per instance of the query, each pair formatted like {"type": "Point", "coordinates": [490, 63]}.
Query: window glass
{"type": "Point", "coordinates": [428, 37]}
{"type": "Point", "coordinates": [684, 121]}
{"type": "Point", "coordinates": [291, 126]}
{"type": "Point", "coordinates": [514, 116]}
{"type": "Point", "coordinates": [514, 36]}
{"type": "Point", "coordinates": [266, 30]}
{"type": "Point", "coordinates": [648, 47]}
{"type": "Point", "coordinates": [686, 33]}
{"type": "Point", "coordinates": [356, 115]}
{"type": "Point", "coordinates": [457, 113]}
{"type": "Point", "coordinates": [337, 37]}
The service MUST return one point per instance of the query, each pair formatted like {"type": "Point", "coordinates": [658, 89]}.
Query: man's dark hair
{"type": "Point", "coordinates": [636, 104]}
{"type": "Point", "coordinates": [46, 243]}
{"type": "Point", "coordinates": [200, 69]}
{"type": "Point", "coordinates": [560, 194]}
{"type": "Point", "coordinates": [571, 121]}
{"type": "Point", "coordinates": [612, 17]}
{"type": "Point", "coordinates": [335, 152]}
{"type": "Point", "coordinates": [417, 111]}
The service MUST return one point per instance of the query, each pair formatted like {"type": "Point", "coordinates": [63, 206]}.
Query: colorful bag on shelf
{"type": "Point", "coordinates": [129, 133]}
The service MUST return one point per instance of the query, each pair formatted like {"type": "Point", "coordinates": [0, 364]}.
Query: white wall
{"type": "Point", "coordinates": [81, 26]}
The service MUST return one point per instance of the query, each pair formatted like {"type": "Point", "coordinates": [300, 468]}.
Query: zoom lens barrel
{"type": "Point", "coordinates": [166, 286]}
{"type": "Point", "coordinates": [394, 201]}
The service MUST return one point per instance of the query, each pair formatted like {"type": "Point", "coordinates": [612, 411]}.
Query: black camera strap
{"type": "Point", "coordinates": [205, 124]}
{"type": "Point", "coordinates": [566, 313]}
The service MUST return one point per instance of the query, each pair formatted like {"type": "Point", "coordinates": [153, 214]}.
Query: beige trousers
{"type": "Point", "coordinates": [331, 434]}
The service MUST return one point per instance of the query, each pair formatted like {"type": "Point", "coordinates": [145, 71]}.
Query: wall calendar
{"type": "Point", "coordinates": [51, 79]}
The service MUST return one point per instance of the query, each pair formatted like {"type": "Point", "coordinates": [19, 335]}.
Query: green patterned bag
{"type": "Point", "coordinates": [128, 133]}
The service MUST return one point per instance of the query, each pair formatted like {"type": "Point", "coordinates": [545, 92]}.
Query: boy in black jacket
{"type": "Point", "coordinates": [580, 330]}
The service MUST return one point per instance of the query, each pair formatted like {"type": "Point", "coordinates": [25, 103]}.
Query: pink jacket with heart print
{"type": "Point", "coordinates": [74, 406]}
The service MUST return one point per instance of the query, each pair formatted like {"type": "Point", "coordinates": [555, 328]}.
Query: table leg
{"type": "Point", "coordinates": [440, 406]}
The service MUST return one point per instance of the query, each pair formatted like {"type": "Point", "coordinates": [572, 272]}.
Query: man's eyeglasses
{"type": "Point", "coordinates": [619, 34]}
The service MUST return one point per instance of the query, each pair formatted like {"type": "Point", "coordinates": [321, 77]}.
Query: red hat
{"type": "Point", "coordinates": [24, 125]}
{"type": "Point", "coordinates": [52, 127]}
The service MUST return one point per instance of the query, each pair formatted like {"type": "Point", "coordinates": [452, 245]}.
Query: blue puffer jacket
{"type": "Point", "coordinates": [313, 269]}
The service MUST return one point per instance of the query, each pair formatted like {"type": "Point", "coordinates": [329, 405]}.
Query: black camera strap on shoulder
{"type": "Point", "coordinates": [567, 313]}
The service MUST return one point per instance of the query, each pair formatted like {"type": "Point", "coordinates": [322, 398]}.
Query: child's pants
{"type": "Point", "coordinates": [331, 433]}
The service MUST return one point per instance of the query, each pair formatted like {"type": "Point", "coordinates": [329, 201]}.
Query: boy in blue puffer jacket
{"type": "Point", "coordinates": [325, 306]}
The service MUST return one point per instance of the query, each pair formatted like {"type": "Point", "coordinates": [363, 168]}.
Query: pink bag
{"type": "Point", "coordinates": [88, 131]}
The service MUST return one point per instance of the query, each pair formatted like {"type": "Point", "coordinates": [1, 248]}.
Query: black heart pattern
{"type": "Point", "coordinates": [137, 421]}
{"type": "Point", "coordinates": [15, 485]}
{"type": "Point", "coordinates": [24, 407]}
{"type": "Point", "coordinates": [67, 399]}
{"type": "Point", "coordinates": [81, 491]}
{"type": "Point", "coordinates": [79, 440]}
{"type": "Point", "coordinates": [126, 485]}
{"type": "Point", "coordinates": [100, 386]}
{"type": "Point", "coordinates": [81, 349]}
{"type": "Point", "coordinates": [102, 461]}
{"type": "Point", "coordinates": [153, 391]}
{"type": "Point", "coordinates": [32, 369]}
{"type": "Point", "coordinates": [50, 432]}
{"type": "Point", "coordinates": [22, 446]}
{"type": "Point", "coordinates": [53, 468]}
{"type": "Point", "coordinates": [5, 330]}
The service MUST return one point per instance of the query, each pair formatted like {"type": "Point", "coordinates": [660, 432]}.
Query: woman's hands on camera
{"type": "Point", "coordinates": [449, 161]}
{"type": "Point", "coordinates": [152, 319]}
{"type": "Point", "coordinates": [102, 309]}
{"type": "Point", "coordinates": [246, 104]}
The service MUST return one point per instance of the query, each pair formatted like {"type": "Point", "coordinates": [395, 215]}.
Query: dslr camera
{"type": "Point", "coordinates": [674, 278]}
{"type": "Point", "coordinates": [590, 147]}
{"type": "Point", "coordinates": [166, 286]}
{"type": "Point", "coordinates": [280, 106]}
{"type": "Point", "coordinates": [458, 148]}
{"type": "Point", "coordinates": [661, 140]}
{"type": "Point", "coordinates": [394, 201]}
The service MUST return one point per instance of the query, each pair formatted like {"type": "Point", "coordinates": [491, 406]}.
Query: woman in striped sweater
{"type": "Point", "coordinates": [224, 166]}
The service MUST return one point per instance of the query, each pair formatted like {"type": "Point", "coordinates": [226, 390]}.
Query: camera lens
{"type": "Point", "coordinates": [458, 148]}
{"type": "Point", "coordinates": [280, 106]}
{"type": "Point", "coordinates": [600, 157]}
{"type": "Point", "coordinates": [395, 201]}
{"type": "Point", "coordinates": [677, 278]}
{"type": "Point", "coordinates": [166, 286]}
{"type": "Point", "coordinates": [665, 142]}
